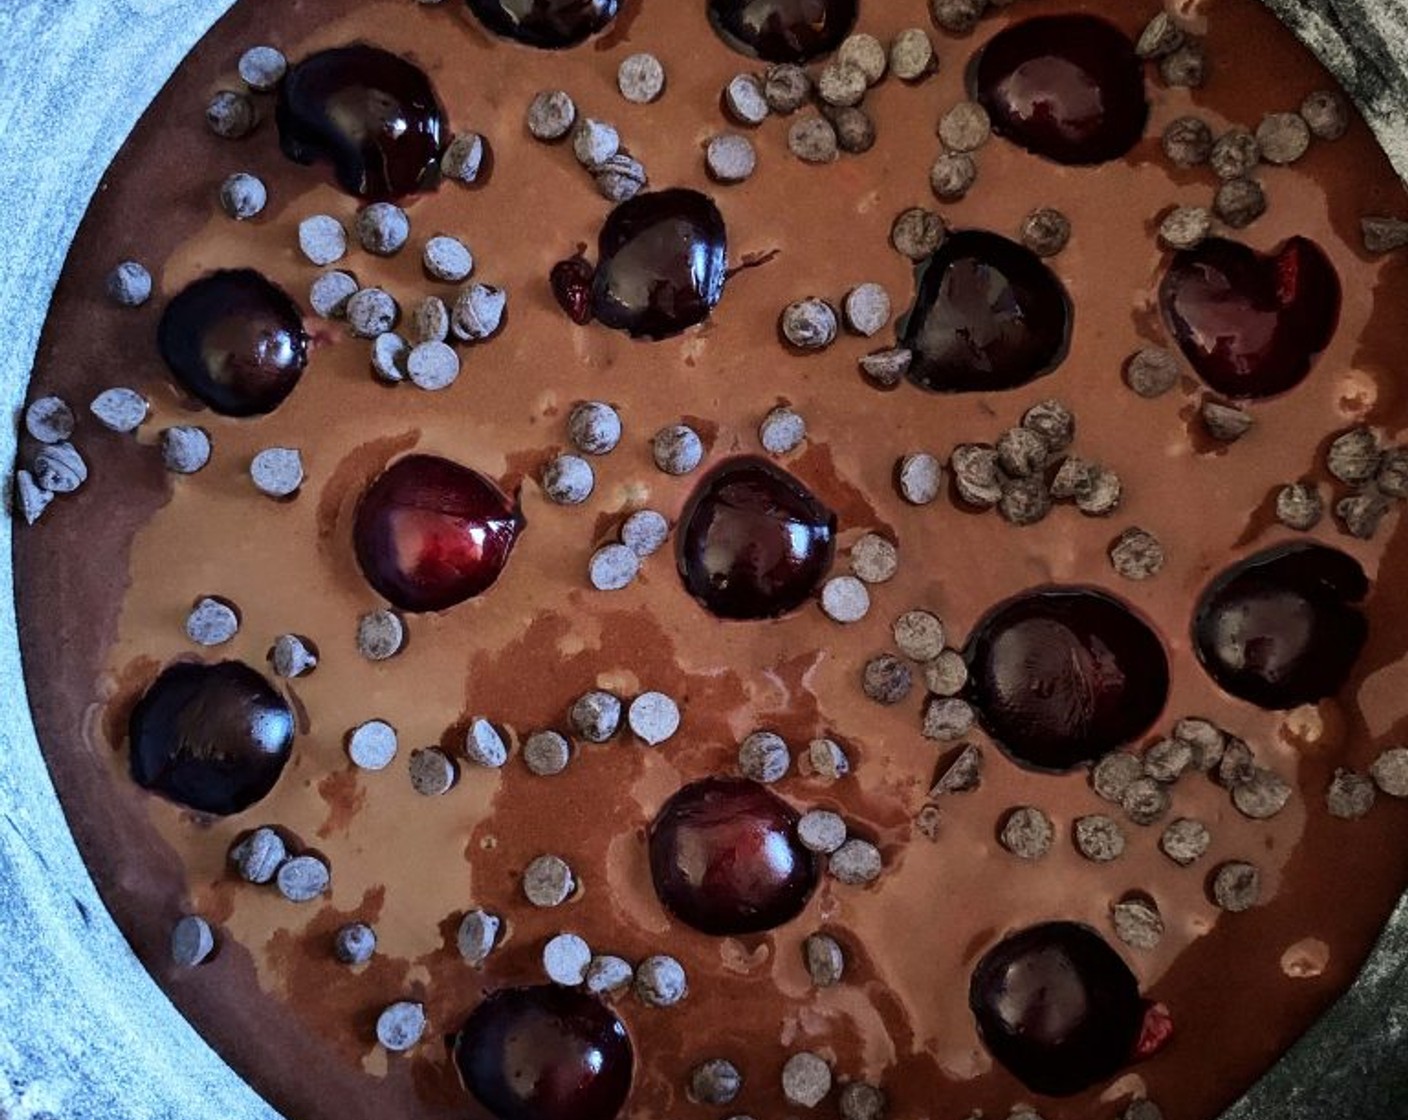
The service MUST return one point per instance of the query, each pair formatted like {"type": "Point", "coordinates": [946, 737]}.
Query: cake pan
{"type": "Point", "coordinates": [84, 1031]}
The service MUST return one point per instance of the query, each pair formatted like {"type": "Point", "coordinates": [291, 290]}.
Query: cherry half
{"type": "Point", "coordinates": [783, 30]}
{"type": "Point", "coordinates": [213, 738]}
{"type": "Point", "coordinates": [1062, 676]}
{"type": "Point", "coordinates": [1281, 628]}
{"type": "Point", "coordinates": [1251, 324]}
{"type": "Point", "coordinates": [1057, 1007]}
{"type": "Point", "coordinates": [988, 314]}
{"type": "Point", "coordinates": [753, 542]}
{"type": "Point", "coordinates": [725, 858]}
{"type": "Point", "coordinates": [371, 114]}
{"type": "Point", "coordinates": [550, 24]}
{"type": "Point", "coordinates": [236, 341]}
{"type": "Point", "coordinates": [661, 262]}
{"type": "Point", "coordinates": [545, 1053]}
{"type": "Point", "coordinates": [1068, 87]}
{"type": "Point", "coordinates": [430, 533]}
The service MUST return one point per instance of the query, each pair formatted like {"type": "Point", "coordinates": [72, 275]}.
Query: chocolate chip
{"type": "Point", "coordinates": [1326, 113]}
{"type": "Point", "coordinates": [1137, 554]}
{"type": "Point", "coordinates": [1354, 455]}
{"type": "Point", "coordinates": [1160, 37]}
{"type": "Point", "coordinates": [920, 477]}
{"type": "Point", "coordinates": [258, 857]}
{"type": "Point", "coordinates": [826, 962]}
{"type": "Point", "coordinates": [243, 196]}
{"type": "Point", "coordinates": [568, 480]}
{"type": "Point", "coordinates": [1236, 767]}
{"type": "Point", "coordinates": [464, 158]}
{"type": "Point", "coordinates": [654, 717]}
{"type": "Point", "coordinates": [478, 313]}
{"type": "Point", "coordinates": [372, 745]}
{"type": "Point", "coordinates": [640, 78]}
{"type": "Point", "coordinates": [782, 431]}
{"type": "Point", "coordinates": [1046, 231]}
{"type": "Point", "coordinates": [212, 623]}
{"type": "Point", "coordinates": [322, 239]}
{"type": "Point", "coordinates": [129, 284]}
{"type": "Point", "coordinates": [965, 127]}
{"type": "Point", "coordinates": [841, 84]}
{"type": "Point", "coordinates": [1392, 477]}
{"type": "Point", "coordinates": [917, 233]}
{"type": "Point", "coordinates": [744, 100]}
{"type": "Point", "coordinates": [1361, 514]}
{"type": "Point", "coordinates": [874, 559]}
{"type": "Point", "coordinates": [856, 862]}
{"type": "Point", "coordinates": [919, 635]}
{"type": "Point", "coordinates": [291, 657]}
{"type": "Point", "coordinates": [354, 943]}
{"type": "Point", "coordinates": [31, 498]}
{"type": "Point", "coordinates": [620, 178]}
{"type": "Point", "coordinates": [372, 312]}
{"type": "Point", "coordinates": [813, 139]}
{"type": "Point", "coordinates": [596, 716]}
{"type": "Point", "coordinates": [1022, 452]}
{"type": "Point", "coordinates": [844, 599]}
{"type": "Point", "coordinates": [1145, 801]}
{"type": "Point", "coordinates": [1053, 421]}
{"type": "Point", "coordinates": [866, 53]}
{"type": "Point", "coordinates": [957, 16]}
{"type": "Point", "coordinates": [120, 410]}
{"type": "Point", "coordinates": [433, 772]}
{"type": "Point", "coordinates": [1151, 371]}
{"type": "Point", "coordinates": [1075, 476]}
{"type": "Point", "coordinates": [1383, 235]}
{"type": "Point", "coordinates": [49, 420]}
{"type": "Point", "coordinates": [262, 68]}
{"type": "Point", "coordinates": [192, 941]}
{"type": "Point", "coordinates": [806, 1079]}
{"type": "Point", "coordinates": [764, 757]}
{"type": "Point", "coordinates": [330, 293]}
{"type": "Point", "coordinates": [1390, 772]}
{"type": "Point", "coordinates": [928, 823]}
{"type": "Point", "coordinates": [1206, 739]}
{"type": "Point", "coordinates": [1188, 142]}
{"type": "Point", "coordinates": [677, 450]}
{"type": "Point", "coordinates": [827, 759]}
{"type": "Point", "coordinates": [660, 981]}
{"type": "Point", "coordinates": [963, 775]}
{"type": "Point", "coordinates": [1114, 774]}
{"type": "Point", "coordinates": [645, 532]}
{"type": "Point", "coordinates": [383, 229]}
{"type": "Point", "coordinates": [867, 309]}
{"type": "Point", "coordinates": [546, 753]}
{"type": "Point", "coordinates": [447, 258]}
{"type": "Point", "coordinates": [912, 55]}
{"type": "Point", "coordinates": [430, 322]}
{"type": "Point", "coordinates": [786, 88]}
{"type": "Point", "coordinates": [1101, 496]}
{"type": "Point", "coordinates": [607, 975]}
{"type": "Point", "coordinates": [1350, 795]}
{"type": "Point", "coordinates": [1098, 838]}
{"type": "Point", "coordinates": [477, 934]}
{"type": "Point", "coordinates": [953, 176]}
{"type": "Point", "coordinates": [60, 469]}
{"type": "Point", "coordinates": [380, 635]}
{"type": "Point", "coordinates": [1186, 227]}
{"type": "Point", "coordinates": [1300, 506]}
{"type": "Point", "coordinates": [1024, 501]}
{"type": "Point", "coordinates": [400, 1026]}
{"type": "Point", "coordinates": [1236, 886]}
{"type": "Point", "coordinates": [821, 830]}
{"type": "Point", "coordinates": [484, 746]}
{"type": "Point", "coordinates": [861, 1101]}
{"type": "Point", "coordinates": [277, 471]}
{"type": "Point", "coordinates": [548, 881]}
{"type": "Point", "coordinates": [947, 719]}
{"type": "Point", "coordinates": [303, 878]}
{"type": "Point", "coordinates": [231, 115]}
{"type": "Point", "coordinates": [1137, 923]}
{"type": "Point", "coordinates": [1027, 833]}
{"type": "Point", "coordinates": [551, 114]}
{"type": "Point", "coordinates": [1240, 202]}
{"type": "Point", "coordinates": [613, 567]}
{"type": "Point", "coordinates": [947, 674]}
{"type": "Point", "coordinates": [1185, 841]}
{"type": "Point", "coordinates": [716, 1081]}
{"type": "Point", "coordinates": [976, 476]}
{"type": "Point", "coordinates": [1283, 137]}
{"type": "Point", "coordinates": [389, 354]}
{"type": "Point", "coordinates": [594, 427]}
{"type": "Point", "coordinates": [1167, 760]}
{"type": "Point", "coordinates": [1142, 1110]}
{"type": "Point", "coordinates": [1185, 68]}
{"type": "Point", "coordinates": [565, 959]}
{"type": "Point", "coordinates": [730, 158]}
{"type": "Point", "coordinates": [885, 369]}
{"type": "Point", "coordinates": [1235, 153]}
{"type": "Point", "coordinates": [855, 130]}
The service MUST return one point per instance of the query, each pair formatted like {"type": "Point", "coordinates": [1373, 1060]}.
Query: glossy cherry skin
{"type": "Point", "coordinates": [988, 314]}
{"type": "Point", "coordinates": [236, 341]}
{"type": "Point", "coordinates": [783, 30]}
{"type": "Point", "coordinates": [1063, 676]}
{"type": "Point", "coordinates": [1069, 88]}
{"type": "Point", "coordinates": [1281, 628]}
{"type": "Point", "coordinates": [661, 263]}
{"type": "Point", "coordinates": [725, 858]}
{"type": "Point", "coordinates": [1057, 1007]}
{"type": "Point", "coordinates": [213, 738]}
{"type": "Point", "coordinates": [430, 533]}
{"type": "Point", "coordinates": [551, 24]}
{"type": "Point", "coordinates": [371, 114]}
{"type": "Point", "coordinates": [1251, 325]}
{"type": "Point", "coordinates": [753, 542]}
{"type": "Point", "coordinates": [545, 1053]}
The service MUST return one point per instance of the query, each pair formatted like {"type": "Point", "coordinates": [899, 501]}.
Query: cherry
{"type": "Point", "coordinates": [1057, 1007]}
{"type": "Point", "coordinates": [725, 858]}
{"type": "Point", "coordinates": [661, 263]}
{"type": "Point", "coordinates": [988, 314]}
{"type": "Point", "coordinates": [753, 542]}
{"type": "Point", "coordinates": [545, 1053]}
{"type": "Point", "coordinates": [551, 24]}
{"type": "Point", "coordinates": [1062, 676]}
{"type": "Point", "coordinates": [236, 341]}
{"type": "Point", "coordinates": [571, 282]}
{"type": "Point", "coordinates": [1251, 324]}
{"type": "Point", "coordinates": [1280, 628]}
{"type": "Point", "coordinates": [371, 114]}
{"type": "Point", "coordinates": [783, 30]}
{"type": "Point", "coordinates": [430, 533]}
{"type": "Point", "coordinates": [211, 737]}
{"type": "Point", "coordinates": [1067, 87]}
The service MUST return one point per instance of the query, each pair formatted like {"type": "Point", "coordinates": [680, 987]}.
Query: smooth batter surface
{"type": "Point", "coordinates": [274, 1000]}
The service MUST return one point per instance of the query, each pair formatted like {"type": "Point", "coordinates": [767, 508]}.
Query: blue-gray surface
{"type": "Point", "coordinates": [84, 1033]}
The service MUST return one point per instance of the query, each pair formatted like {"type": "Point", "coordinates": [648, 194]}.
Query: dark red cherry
{"type": "Point", "coordinates": [571, 282]}
{"type": "Point", "coordinates": [545, 1053]}
{"type": "Point", "coordinates": [753, 542]}
{"type": "Point", "coordinates": [1062, 676]}
{"type": "Point", "coordinates": [211, 737]}
{"type": "Point", "coordinates": [1066, 87]}
{"type": "Point", "coordinates": [661, 259]}
{"type": "Point", "coordinates": [1058, 1007]}
{"type": "Point", "coordinates": [1281, 628]}
{"type": "Point", "coordinates": [371, 114]}
{"type": "Point", "coordinates": [988, 314]}
{"type": "Point", "coordinates": [430, 533]}
{"type": "Point", "coordinates": [725, 858]}
{"type": "Point", "coordinates": [236, 341]}
{"type": "Point", "coordinates": [1251, 325]}
{"type": "Point", "coordinates": [552, 24]}
{"type": "Point", "coordinates": [783, 30]}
